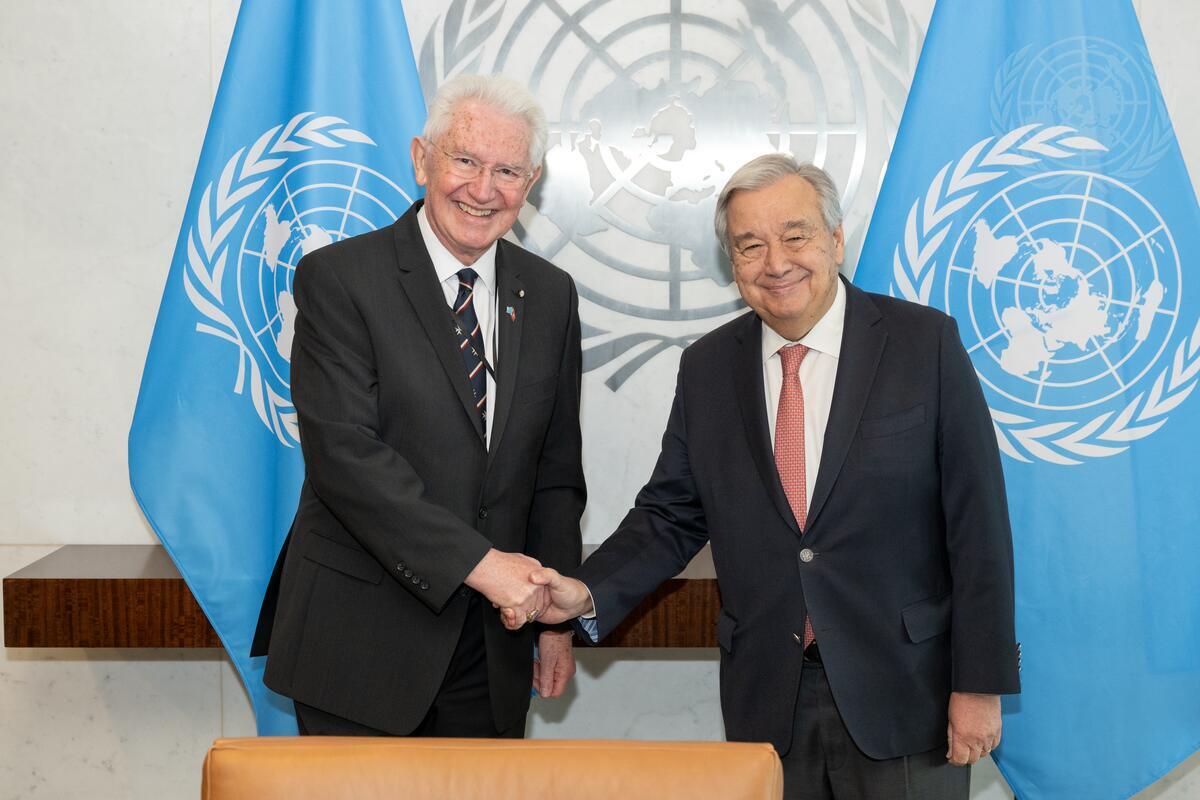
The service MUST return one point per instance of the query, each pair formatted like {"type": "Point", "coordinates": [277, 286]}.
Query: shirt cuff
{"type": "Point", "coordinates": [588, 621]}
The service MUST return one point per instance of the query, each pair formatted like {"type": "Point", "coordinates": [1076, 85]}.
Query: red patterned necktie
{"type": "Point", "coordinates": [789, 444]}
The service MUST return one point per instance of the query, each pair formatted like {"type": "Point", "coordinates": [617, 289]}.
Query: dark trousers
{"type": "Point", "coordinates": [462, 707]}
{"type": "Point", "coordinates": [825, 764]}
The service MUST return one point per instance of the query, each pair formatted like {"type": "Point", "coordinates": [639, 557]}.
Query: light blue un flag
{"type": "Point", "coordinates": [308, 144]}
{"type": "Point", "coordinates": [1036, 192]}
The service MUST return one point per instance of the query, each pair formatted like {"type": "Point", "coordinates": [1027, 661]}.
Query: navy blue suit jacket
{"type": "Point", "coordinates": [909, 581]}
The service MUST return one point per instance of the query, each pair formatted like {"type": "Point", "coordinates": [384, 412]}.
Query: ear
{"type": "Point", "coordinates": [418, 152]}
{"type": "Point", "coordinates": [537, 173]}
{"type": "Point", "coordinates": [839, 245]}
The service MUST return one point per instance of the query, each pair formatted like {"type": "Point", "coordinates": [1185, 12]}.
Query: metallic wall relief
{"type": "Point", "coordinates": [652, 105]}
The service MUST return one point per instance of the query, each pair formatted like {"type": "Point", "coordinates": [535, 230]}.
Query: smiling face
{"type": "Point", "coordinates": [468, 215]}
{"type": "Point", "coordinates": [785, 260]}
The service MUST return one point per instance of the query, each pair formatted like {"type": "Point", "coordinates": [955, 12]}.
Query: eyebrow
{"type": "Point", "coordinates": [498, 165]}
{"type": "Point", "coordinates": [791, 225]}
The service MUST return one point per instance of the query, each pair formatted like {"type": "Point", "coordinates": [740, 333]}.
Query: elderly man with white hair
{"type": "Point", "coordinates": [436, 374]}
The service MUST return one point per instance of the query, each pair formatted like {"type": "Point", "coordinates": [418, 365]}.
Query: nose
{"type": "Point", "coordinates": [483, 186]}
{"type": "Point", "coordinates": [776, 262]}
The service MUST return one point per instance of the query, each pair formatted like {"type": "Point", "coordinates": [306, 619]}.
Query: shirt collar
{"type": "Point", "coordinates": [446, 265]}
{"type": "Point", "coordinates": [825, 337]}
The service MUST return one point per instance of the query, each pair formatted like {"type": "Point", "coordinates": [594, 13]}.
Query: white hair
{"type": "Point", "coordinates": [766, 170]}
{"type": "Point", "coordinates": [503, 94]}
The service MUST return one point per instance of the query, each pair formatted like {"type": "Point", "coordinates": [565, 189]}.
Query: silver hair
{"type": "Point", "coordinates": [503, 94]}
{"type": "Point", "coordinates": [766, 170]}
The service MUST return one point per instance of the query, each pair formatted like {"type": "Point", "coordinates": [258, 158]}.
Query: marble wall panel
{"type": "Point", "coordinates": [103, 109]}
{"type": "Point", "coordinates": [624, 693]}
{"type": "Point", "coordinates": [101, 723]}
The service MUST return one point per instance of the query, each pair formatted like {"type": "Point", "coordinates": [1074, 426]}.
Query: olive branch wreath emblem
{"type": "Point", "coordinates": [914, 263]}
{"type": "Point", "coordinates": [221, 208]}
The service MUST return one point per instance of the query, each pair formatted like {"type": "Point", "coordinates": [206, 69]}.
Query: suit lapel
{"type": "Point", "coordinates": [420, 284]}
{"type": "Point", "coordinates": [748, 378]}
{"type": "Point", "coordinates": [863, 338]}
{"type": "Point", "coordinates": [510, 307]}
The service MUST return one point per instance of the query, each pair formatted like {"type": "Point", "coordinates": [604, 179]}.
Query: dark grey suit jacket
{"type": "Point", "coordinates": [401, 497]}
{"type": "Point", "coordinates": [908, 570]}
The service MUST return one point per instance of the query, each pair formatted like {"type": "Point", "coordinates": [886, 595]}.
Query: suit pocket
{"type": "Point", "coordinates": [346, 560]}
{"type": "Point", "coordinates": [893, 423]}
{"type": "Point", "coordinates": [925, 619]}
{"type": "Point", "coordinates": [538, 390]}
{"type": "Point", "coordinates": [725, 628]}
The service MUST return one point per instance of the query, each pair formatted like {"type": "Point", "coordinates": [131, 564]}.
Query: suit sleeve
{"type": "Point", "coordinates": [978, 534]}
{"type": "Point", "coordinates": [372, 490]}
{"type": "Point", "coordinates": [658, 537]}
{"type": "Point", "coordinates": [559, 492]}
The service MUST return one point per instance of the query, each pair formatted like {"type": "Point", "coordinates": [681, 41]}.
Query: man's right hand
{"type": "Point", "coordinates": [566, 598]}
{"type": "Point", "coordinates": [504, 578]}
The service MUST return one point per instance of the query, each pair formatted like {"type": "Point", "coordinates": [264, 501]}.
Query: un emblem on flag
{"type": "Point", "coordinates": [1103, 90]}
{"type": "Point", "coordinates": [313, 204]}
{"type": "Point", "coordinates": [303, 203]}
{"type": "Point", "coordinates": [1067, 286]}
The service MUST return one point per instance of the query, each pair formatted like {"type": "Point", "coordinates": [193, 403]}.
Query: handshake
{"type": "Point", "coordinates": [525, 591]}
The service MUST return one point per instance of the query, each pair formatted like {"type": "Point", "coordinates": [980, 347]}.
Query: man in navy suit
{"type": "Point", "coordinates": [835, 449]}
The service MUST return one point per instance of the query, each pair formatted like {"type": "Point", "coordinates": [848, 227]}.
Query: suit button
{"type": "Point", "coordinates": [415, 579]}
{"type": "Point", "coordinates": [408, 573]}
{"type": "Point", "coordinates": [424, 584]}
{"type": "Point", "coordinates": [807, 555]}
{"type": "Point", "coordinates": [401, 565]}
{"type": "Point", "coordinates": [483, 512]}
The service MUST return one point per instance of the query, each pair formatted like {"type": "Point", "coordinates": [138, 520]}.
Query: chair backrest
{"type": "Point", "coordinates": [488, 769]}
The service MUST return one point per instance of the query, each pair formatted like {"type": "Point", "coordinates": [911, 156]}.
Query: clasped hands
{"type": "Point", "coordinates": [525, 591]}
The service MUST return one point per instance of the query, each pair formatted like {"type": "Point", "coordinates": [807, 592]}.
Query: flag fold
{"type": "Point", "coordinates": [308, 143]}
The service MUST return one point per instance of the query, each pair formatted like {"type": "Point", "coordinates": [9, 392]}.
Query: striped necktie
{"type": "Point", "coordinates": [470, 340]}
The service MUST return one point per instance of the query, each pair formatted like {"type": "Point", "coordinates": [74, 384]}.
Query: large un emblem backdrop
{"type": "Point", "coordinates": [652, 104]}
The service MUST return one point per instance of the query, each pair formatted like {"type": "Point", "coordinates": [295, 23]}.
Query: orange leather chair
{"type": "Point", "coordinates": [332, 768]}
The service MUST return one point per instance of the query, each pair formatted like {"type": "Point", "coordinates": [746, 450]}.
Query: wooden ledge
{"type": "Point", "coordinates": [122, 595]}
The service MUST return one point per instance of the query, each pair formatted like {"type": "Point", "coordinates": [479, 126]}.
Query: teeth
{"type": "Point", "coordinates": [476, 212]}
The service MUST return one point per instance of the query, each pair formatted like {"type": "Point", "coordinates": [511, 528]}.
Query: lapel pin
{"type": "Point", "coordinates": [512, 313]}
{"type": "Point", "coordinates": [520, 292]}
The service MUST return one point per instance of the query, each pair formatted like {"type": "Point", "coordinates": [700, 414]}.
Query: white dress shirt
{"type": "Point", "coordinates": [818, 372]}
{"type": "Point", "coordinates": [446, 266]}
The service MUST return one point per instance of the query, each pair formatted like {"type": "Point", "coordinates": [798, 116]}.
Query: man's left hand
{"type": "Point", "coordinates": [974, 729]}
{"type": "Point", "coordinates": [555, 664]}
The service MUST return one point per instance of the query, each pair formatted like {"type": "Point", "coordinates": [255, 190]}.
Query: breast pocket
{"type": "Point", "coordinates": [537, 391]}
{"type": "Point", "coordinates": [891, 440]}
{"type": "Point", "coordinates": [893, 423]}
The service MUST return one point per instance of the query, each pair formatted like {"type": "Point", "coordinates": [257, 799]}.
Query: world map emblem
{"type": "Point", "coordinates": [1067, 285]}
{"type": "Point", "coordinates": [277, 200]}
{"type": "Point", "coordinates": [1097, 87]}
{"type": "Point", "coordinates": [651, 108]}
